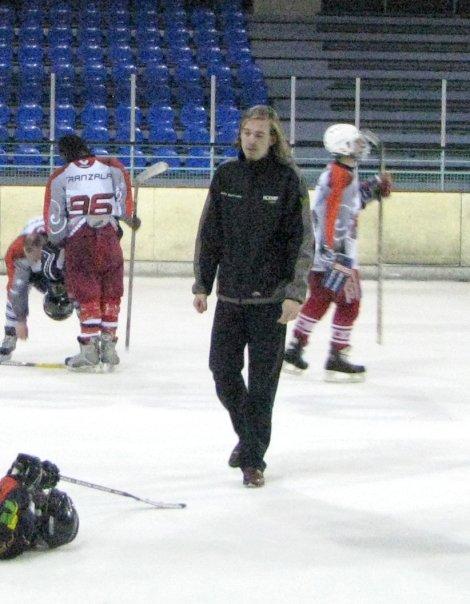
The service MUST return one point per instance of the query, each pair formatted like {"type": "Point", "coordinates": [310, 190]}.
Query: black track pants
{"type": "Point", "coordinates": [250, 408]}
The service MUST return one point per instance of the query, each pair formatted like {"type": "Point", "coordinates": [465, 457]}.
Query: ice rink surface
{"type": "Point", "coordinates": [367, 496]}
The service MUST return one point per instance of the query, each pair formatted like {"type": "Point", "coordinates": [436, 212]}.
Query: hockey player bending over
{"type": "Point", "coordinates": [84, 200]}
{"type": "Point", "coordinates": [334, 277]}
{"type": "Point", "coordinates": [31, 261]}
{"type": "Point", "coordinates": [34, 514]}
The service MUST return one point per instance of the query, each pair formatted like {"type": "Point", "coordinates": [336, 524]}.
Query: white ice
{"type": "Point", "coordinates": [367, 496]}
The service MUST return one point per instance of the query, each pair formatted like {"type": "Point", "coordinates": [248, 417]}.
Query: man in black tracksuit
{"type": "Point", "coordinates": [256, 232]}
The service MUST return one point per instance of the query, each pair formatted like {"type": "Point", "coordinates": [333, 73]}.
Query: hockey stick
{"type": "Point", "coordinates": [147, 174]}
{"type": "Point", "coordinates": [28, 364]}
{"type": "Point", "coordinates": [374, 140]}
{"type": "Point", "coordinates": [156, 504]}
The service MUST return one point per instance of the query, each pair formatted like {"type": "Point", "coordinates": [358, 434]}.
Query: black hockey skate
{"type": "Point", "coordinates": [339, 369]}
{"type": "Point", "coordinates": [293, 361]}
{"type": "Point", "coordinates": [8, 345]}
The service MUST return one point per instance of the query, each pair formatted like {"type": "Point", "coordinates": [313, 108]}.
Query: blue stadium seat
{"type": "Point", "coordinates": [29, 113]}
{"type": "Point", "coordinates": [159, 93]}
{"type": "Point", "coordinates": [210, 55]}
{"type": "Point", "coordinates": [28, 155]}
{"type": "Point", "coordinates": [123, 134]}
{"type": "Point", "coordinates": [60, 34]}
{"type": "Point", "coordinates": [4, 134]}
{"type": "Point", "coordinates": [188, 74]}
{"type": "Point", "coordinates": [121, 54]}
{"type": "Point", "coordinates": [62, 129]}
{"type": "Point", "coordinates": [65, 91]}
{"type": "Point", "coordinates": [91, 53]}
{"type": "Point", "coordinates": [162, 133]}
{"type": "Point", "coordinates": [227, 134]}
{"type": "Point", "coordinates": [119, 34]}
{"type": "Point", "coordinates": [90, 35]}
{"type": "Point", "coordinates": [198, 157]}
{"type": "Point", "coordinates": [4, 159]}
{"type": "Point", "coordinates": [239, 55]}
{"type": "Point", "coordinates": [4, 113]}
{"type": "Point", "coordinates": [95, 71]}
{"type": "Point", "coordinates": [206, 37]}
{"type": "Point", "coordinates": [203, 18]}
{"type": "Point", "coordinates": [30, 54]}
{"type": "Point", "coordinates": [29, 132]}
{"type": "Point", "coordinates": [32, 71]}
{"type": "Point", "coordinates": [95, 133]}
{"type": "Point", "coordinates": [61, 53]}
{"type": "Point", "coordinates": [155, 73]}
{"type": "Point", "coordinates": [195, 135]}
{"type": "Point", "coordinates": [99, 151]}
{"type": "Point", "coordinates": [190, 94]}
{"type": "Point", "coordinates": [65, 113]}
{"type": "Point", "coordinates": [249, 73]}
{"type": "Point", "coordinates": [191, 114]}
{"type": "Point", "coordinates": [160, 114]}
{"type": "Point", "coordinates": [124, 154]}
{"type": "Point", "coordinates": [95, 113]}
{"type": "Point", "coordinates": [168, 154]}
{"type": "Point", "coordinates": [30, 34]}
{"type": "Point", "coordinates": [31, 91]}
{"type": "Point", "coordinates": [151, 53]}
{"type": "Point", "coordinates": [147, 34]}
{"type": "Point", "coordinates": [63, 71]}
{"type": "Point", "coordinates": [181, 55]}
{"type": "Point", "coordinates": [226, 113]}
{"type": "Point", "coordinates": [123, 114]}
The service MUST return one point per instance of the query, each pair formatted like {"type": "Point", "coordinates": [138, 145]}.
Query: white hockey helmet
{"type": "Point", "coordinates": [346, 139]}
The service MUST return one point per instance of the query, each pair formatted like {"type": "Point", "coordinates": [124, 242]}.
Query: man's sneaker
{"type": "Point", "coordinates": [253, 477]}
{"type": "Point", "coordinates": [234, 459]}
{"type": "Point", "coordinates": [339, 369]}
{"type": "Point", "coordinates": [87, 358]}
{"type": "Point", "coordinates": [108, 350]}
{"type": "Point", "coordinates": [293, 360]}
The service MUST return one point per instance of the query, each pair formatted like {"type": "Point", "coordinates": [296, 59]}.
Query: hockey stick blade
{"type": "Point", "coordinates": [371, 137]}
{"type": "Point", "coordinates": [161, 505]}
{"type": "Point", "coordinates": [38, 365]}
{"type": "Point", "coordinates": [151, 171]}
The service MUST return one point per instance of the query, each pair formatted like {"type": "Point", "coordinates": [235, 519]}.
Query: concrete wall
{"type": "Point", "coordinates": [295, 9]}
{"type": "Point", "coordinates": [430, 229]}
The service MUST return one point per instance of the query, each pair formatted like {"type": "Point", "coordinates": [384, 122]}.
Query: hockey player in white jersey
{"type": "Point", "coordinates": [32, 262]}
{"type": "Point", "coordinates": [334, 278]}
{"type": "Point", "coordinates": [84, 200]}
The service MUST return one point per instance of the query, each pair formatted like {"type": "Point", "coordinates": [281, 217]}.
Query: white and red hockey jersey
{"type": "Point", "coordinates": [93, 191]}
{"type": "Point", "coordinates": [338, 199]}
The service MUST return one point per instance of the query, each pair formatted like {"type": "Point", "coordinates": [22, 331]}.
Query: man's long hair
{"type": "Point", "coordinates": [280, 148]}
{"type": "Point", "coordinates": [73, 148]}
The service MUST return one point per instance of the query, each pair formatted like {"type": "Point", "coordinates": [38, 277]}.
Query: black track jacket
{"type": "Point", "coordinates": [256, 230]}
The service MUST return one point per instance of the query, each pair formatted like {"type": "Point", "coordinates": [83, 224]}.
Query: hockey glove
{"type": "Point", "coordinates": [339, 271]}
{"type": "Point", "coordinates": [50, 475]}
{"type": "Point", "coordinates": [27, 469]}
{"type": "Point", "coordinates": [384, 185]}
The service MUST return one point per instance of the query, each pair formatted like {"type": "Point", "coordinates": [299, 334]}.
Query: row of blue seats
{"type": "Point", "coordinates": [197, 157]}
{"type": "Point", "coordinates": [95, 113]}
{"type": "Point", "coordinates": [97, 133]}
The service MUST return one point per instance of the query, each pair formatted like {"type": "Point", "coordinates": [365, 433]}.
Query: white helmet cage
{"type": "Point", "coordinates": [347, 140]}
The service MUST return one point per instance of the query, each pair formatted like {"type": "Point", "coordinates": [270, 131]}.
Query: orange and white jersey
{"type": "Point", "coordinates": [94, 191]}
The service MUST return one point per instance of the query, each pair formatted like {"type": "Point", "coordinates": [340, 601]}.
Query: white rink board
{"type": "Point", "coordinates": [367, 496]}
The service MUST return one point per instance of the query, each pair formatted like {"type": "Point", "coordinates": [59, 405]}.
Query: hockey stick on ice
{"type": "Point", "coordinates": [147, 174]}
{"type": "Point", "coordinates": [374, 140]}
{"type": "Point", "coordinates": [156, 504]}
{"type": "Point", "coordinates": [31, 364]}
